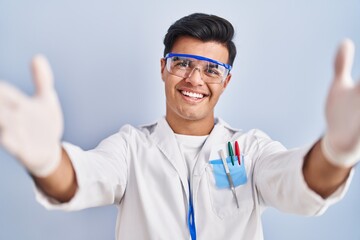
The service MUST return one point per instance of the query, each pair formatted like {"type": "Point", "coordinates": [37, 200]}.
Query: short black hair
{"type": "Point", "coordinates": [204, 27]}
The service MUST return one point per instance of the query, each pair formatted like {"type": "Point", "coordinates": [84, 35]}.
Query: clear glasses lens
{"type": "Point", "coordinates": [185, 66]}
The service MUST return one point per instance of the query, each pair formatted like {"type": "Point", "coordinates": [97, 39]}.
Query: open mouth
{"type": "Point", "coordinates": [193, 94]}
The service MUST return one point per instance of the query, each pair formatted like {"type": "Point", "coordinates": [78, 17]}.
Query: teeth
{"type": "Point", "coordinates": [192, 94]}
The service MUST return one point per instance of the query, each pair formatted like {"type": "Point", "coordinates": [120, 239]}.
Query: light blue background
{"type": "Point", "coordinates": [106, 57]}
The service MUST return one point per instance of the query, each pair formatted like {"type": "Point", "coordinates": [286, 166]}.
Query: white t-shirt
{"type": "Point", "coordinates": [190, 147]}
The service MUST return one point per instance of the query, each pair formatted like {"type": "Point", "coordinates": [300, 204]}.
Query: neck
{"type": "Point", "coordinates": [191, 127]}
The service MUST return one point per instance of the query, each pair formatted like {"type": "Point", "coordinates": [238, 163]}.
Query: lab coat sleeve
{"type": "Point", "coordinates": [101, 174]}
{"type": "Point", "coordinates": [280, 182]}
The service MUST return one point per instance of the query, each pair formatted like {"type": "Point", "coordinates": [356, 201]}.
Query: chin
{"type": "Point", "coordinates": [194, 116]}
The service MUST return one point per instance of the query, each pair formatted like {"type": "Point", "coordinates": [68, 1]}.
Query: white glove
{"type": "Point", "coordinates": [341, 143]}
{"type": "Point", "coordinates": [31, 127]}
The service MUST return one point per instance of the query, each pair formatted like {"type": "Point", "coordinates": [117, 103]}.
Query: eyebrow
{"type": "Point", "coordinates": [213, 65]}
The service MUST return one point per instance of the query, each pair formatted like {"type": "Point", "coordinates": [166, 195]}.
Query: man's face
{"type": "Point", "coordinates": [191, 98]}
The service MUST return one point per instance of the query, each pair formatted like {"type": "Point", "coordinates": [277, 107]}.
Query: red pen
{"type": "Point", "coordinates": [237, 152]}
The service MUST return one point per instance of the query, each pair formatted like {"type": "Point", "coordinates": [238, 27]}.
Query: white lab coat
{"type": "Point", "coordinates": [143, 173]}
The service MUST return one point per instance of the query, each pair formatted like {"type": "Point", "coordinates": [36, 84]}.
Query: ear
{"type": "Point", "coordinates": [227, 80]}
{"type": "Point", "coordinates": [162, 65]}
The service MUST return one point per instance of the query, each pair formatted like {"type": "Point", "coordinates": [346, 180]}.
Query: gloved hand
{"type": "Point", "coordinates": [341, 142]}
{"type": "Point", "coordinates": [31, 127]}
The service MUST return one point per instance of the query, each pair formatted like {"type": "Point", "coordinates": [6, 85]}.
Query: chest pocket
{"type": "Point", "coordinates": [222, 199]}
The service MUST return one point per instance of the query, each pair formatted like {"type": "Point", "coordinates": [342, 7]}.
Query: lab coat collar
{"type": "Point", "coordinates": [164, 137]}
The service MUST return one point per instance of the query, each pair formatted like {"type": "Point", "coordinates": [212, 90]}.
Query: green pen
{"type": "Point", "coordinates": [231, 153]}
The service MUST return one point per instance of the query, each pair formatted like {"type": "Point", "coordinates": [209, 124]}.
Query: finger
{"type": "Point", "coordinates": [42, 74]}
{"type": "Point", "coordinates": [6, 117]}
{"type": "Point", "coordinates": [9, 95]}
{"type": "Point", "coordinates": [10, 100]}
{"type": "Point", "coordinates": [344, 60]}
{"type": "Point", "coordinates": [8, 142]}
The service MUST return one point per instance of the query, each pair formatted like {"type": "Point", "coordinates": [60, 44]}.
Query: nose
{"type": "Point", "coordinates": [195, 77]}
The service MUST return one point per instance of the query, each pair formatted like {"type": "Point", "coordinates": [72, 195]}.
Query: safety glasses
{"type": "Point", "coordinates": [183, 65]}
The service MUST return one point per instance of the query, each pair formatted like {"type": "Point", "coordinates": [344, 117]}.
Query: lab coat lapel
{"type": "Point", "coordinates": [165, 139]}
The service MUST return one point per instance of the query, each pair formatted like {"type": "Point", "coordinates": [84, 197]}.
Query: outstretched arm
{"type": "Point", "coordinates": [31, 129]}
{"type": "Point", "coordinates": [329, 162]}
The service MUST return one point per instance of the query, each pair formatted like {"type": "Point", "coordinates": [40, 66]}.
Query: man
{"type": "Point", "coordinates": [169, 179]}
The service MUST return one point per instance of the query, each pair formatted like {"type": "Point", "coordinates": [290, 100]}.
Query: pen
{"type": "Point", "coordinates": [231, 153]}
{"type": "Point", "coordinates": [237, 152]}
{"type": "Point", "coordinates": [227, 171]}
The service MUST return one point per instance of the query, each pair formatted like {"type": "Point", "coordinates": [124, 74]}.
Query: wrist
{"type": "Point", "coordinates": [337, 158]}
{"type": "Point", "coordinates": [48, 164]}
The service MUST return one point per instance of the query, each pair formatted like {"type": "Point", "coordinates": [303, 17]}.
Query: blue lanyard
{"type": "Point", "coordinates": [191, 218]}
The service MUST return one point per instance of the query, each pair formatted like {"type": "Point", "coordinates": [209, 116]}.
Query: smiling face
{"type": "Point", "coordinates": [190, 101]}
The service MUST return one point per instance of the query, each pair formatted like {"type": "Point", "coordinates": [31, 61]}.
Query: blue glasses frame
{"type": "Point", "coordinates": [169, 55]}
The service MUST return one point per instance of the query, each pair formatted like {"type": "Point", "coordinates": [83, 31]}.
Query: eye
{"type": "Point", "coordinates": [213, 72]}
{"type": "Point", "coordinates": [183, 63]}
